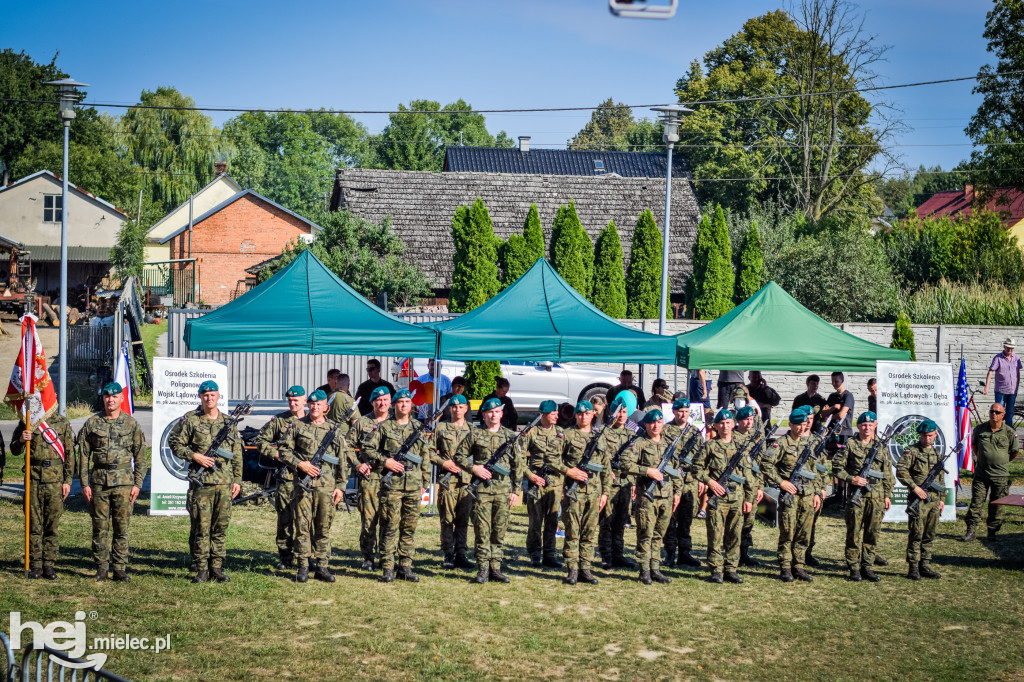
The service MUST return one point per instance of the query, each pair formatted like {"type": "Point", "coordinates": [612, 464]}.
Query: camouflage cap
{"type": "Point", "coordinates": [584, 406]}
{"type": "Point", "coordinates": [722, 416]}
{"type": "Point", "coordinates": [745, 411]}
{"type": "Point", "coordinates": [654, 415]}
{"type": "Point", "coordinates": [458, 399]}
{"type": "Point", "coordinates": [379, 391]}
{"type": "Point", "coordinates": [113, 388]}
{"type": "Point", "coordinates": [548, 406]}
{"type": "Point", "coordinates": [491, 404]}
{"type": "Point", "coordinates": [739, 393]}
{"type": "Point", "coordinates": [680, 403]}
{"type": "Point", "coordinates": [317, 396]}
{"type": "Point", "coordinates": [867, 417]}
{"type": "Point", "coordinates": [927, 426]}
{"type": "Point", "coordinates": [208, 385]}
{"type": "Point", "coordinates": [400, 394]}
{"type": "Point", "coordinates": [295, 392]}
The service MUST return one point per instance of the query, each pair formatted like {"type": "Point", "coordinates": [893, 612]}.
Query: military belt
{"type": "Point", "coordinates": [44, 463]}
{"type": "Point", "coordinates": [111, 467]}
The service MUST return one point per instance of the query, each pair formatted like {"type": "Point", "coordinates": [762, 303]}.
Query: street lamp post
{"type": "Point", "coordinates": [67, 96]}
{"type": "Point", "coordinates": [670, 116]}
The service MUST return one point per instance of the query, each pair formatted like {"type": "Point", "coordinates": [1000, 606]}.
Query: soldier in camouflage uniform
{"type": "Point", "coordinates": [677, 537]}
{"type": "Point", "coordinates": [735, 498]}
{"type": "Point", "coordinates": [271, 435]}
{"type": "Point", "coordinates": [222, 481]}
{"type": "Point", "coordinates": [651, 516]}
{"type": "Point", "coordinates": [497, 491]}
{"type": "Point", "coordinates": [995, 446]}
{"type": "Point", "coordinates": [110, 445]}
{"type": "Point", "coordinates": [796, 520]}
{"type": "Point", "coordinates": [864, 517]}
{"type": "Point", "coordinates": [454, 506]}
{"type": "Point", "coordinates": [911, 470]}
{"type": "Point", "coordinates": [593, 481]}
{"type": "Point", "coordinates": [369, 477]}
{"type": "Point", "coordinates": [745, 419]}
{"type": "Point", "coordinates": [615, 515]}
{"type": "Point", "coordinates": [543, 446]}
{"type": "Point", "coordinates": [53, 467]}
{"type": "Point", "coordinates": [313, 509]}
{"type": "Point", "coordinates": [339, 404]}
{"type": "Point", "coordinates": [400, 503]}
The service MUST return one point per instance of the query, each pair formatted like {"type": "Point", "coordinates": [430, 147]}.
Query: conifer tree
{"type": "Point", "coordinates": [609, 279]}
{"type": "Point", "coordinates": [712, 279]}
{"type": "Point", "coordinates": [750, 273]}
{"type": "Point", "coordinates": [572, 253]}
{"type": "Point", "coordinates": [643, 279]}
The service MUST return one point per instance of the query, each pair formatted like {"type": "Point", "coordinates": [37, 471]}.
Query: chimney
{"type": "Point", "coordinates": [524, 143]}
{"type": "Point", "coordinates": [220, 168]}
{"type": "Point", "coordinates": [968, 191]}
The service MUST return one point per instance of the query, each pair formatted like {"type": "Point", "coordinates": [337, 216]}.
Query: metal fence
{"type": "Point", "coordinates": [172, 286]}
{"type": "Point", "coordinates": [89, 348]}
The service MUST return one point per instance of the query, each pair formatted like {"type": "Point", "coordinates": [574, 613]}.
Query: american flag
{"type": "Point", "coordinates": [963, 421]}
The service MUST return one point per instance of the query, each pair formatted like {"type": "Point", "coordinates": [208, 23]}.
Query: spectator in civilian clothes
{"type": "Point", "coordinates": [368, 386]}
{"type": "Point", "coordinates": [332, 382]}
{"type": "Point", "coordinates": [700, 387]}
{"type": "Point", "coordinates": [811, 397]}
{"type": "Point", "coordinates": [659, 395]}
{"type": "Point", "coordinates": [1006, 368]}
{"type": "Point", "coordinates": [509, 416]}
{"type": "Point", "coordinates": [442, 386]}
{"type": "Point", "coordinates": [625, 383]}
{"type": "Point", "coordinates": [600, 405]}
{"type": "Point", "coordinates": [566, 415]}
{"type": "Point", "coordinates": [728, 382]}
{"type": "Point", "coordinates": [873, 395]}
{"type": "Point", "coordinates": [458, 388]}
{"type": "Point", "coordinates": [840, 405]}
{"type": "Point", "coordinates": [765, 396]}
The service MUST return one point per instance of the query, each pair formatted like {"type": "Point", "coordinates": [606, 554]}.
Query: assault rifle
{"type": "Point", "coordinates": [928, 484]}
{"type": "Point", "coordinates": [664, 466]}
{"type": "Point", "coordinates": [866, 471]}
{"type": "Point", "coordinates": [196, 473]}
{"type": "Point", "coordinates": [729, 474]}
{"type": "Point", "coordinates": [320, 457]}
{"type": "Point", "coordinates": [799, 474]}
{"type": "Point", "coordinates": [533, 490]}
{"type": "Point", "coordinates": [403, 455]}
{"type": "Point", "coordinates": [492, 463]}
{"type": "Point", "coordinates": [586, 465]}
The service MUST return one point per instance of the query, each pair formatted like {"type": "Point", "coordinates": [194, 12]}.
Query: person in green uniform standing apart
{"type": "Point", "coordinates": [112, 470]}
{"type": "Point", "coordinates": [544, 468]}
{"type": "Point", "coordinates": [911, 470]}
{"type": "Point", "coordinates": [53, 467]}
{"type": "Point", "coordinates": [271, 435]}
{"type": "Point", "coordinates": [995, 444]}
{"type": "Point", "coordinates": [454, 506]}
{"type": "Point", "coordinates": [592, 484]}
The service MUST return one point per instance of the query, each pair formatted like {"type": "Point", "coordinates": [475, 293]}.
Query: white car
{"type": "Point", "coordinates": [530, 383]}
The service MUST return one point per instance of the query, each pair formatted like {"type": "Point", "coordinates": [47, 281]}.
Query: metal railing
{"type": "Point", "coordinates": [89, 348]}
{"type": "Point", "coordinates": [55, 664]}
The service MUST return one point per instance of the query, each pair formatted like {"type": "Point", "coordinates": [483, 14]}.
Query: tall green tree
{"type": "Point", "coordinates": [643, 277]}
{"type": "Point", "coordinates": [572, 252]}
{"type": "Point", "coordinates": [750, 272]}
{"type": "Point", "coordinates": [521, 251]}
{"type": "Point", "coordinates": [712, 280]}
{"type": "Point", "coordinates": [612, 127]}
{"type": "Point", "coordinates": [998, 125]}
{"type": "Point", "coordinates": [128, 254]}
{"type": "Point", "coordinates": [609, 279]}
{"type": "Point", "coordinates": [534, 234]}
{"type": "Point", "coordinates": [175, 145]}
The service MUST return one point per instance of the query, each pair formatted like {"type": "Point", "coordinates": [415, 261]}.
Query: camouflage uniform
{"type": "Point", "coordinates": [108, 450]}
{"type": "Point", "coordinates": [580, 517]}
{"type": "Point", "coordinates": [678, 539]}
{"type": "Point", "coordinates": [651, 518]}
{"type": "Point", "coordinates": [911, 471]}
{"type": "Point", "coordinates": [993, 451]}
{"type": "Point", "coordinates": [454, 506]}
{"type": "Point", "coordinates": [543, 448]}
{"type": "Point", "coordinates": [491, 508]}
{"type": "Point", "coordinates": [757, 478]}
{"type": "Point", "coordinates": [797, 520]}
{"type": "Point", "coordinates": [274, 432]}
{"type": "Point", "coordinates": [49, 474]}
{"type": "Point", "coordinates": [369, 490]}
{"type": "Point", "coordinates": [340, 404]}
{"type": "Point", "coordinates": [864, 519]}
{"type": "Point", "coordinates": [313, 510]}
{"type": "Point", "coordinates": [210, 507]}
{"type": "Point", "coordinates": [399, 506]}
{"type": "Point", "coordinates": [725, 522]}
{"type": "Point", "coordinates": [615, 515]}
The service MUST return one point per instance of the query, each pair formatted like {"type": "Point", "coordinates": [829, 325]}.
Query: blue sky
{"type": "Point", "coordinates": [511, 54]}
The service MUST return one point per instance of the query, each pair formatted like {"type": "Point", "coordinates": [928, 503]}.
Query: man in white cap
{"type": "Point", "coordinates": [1006, 368]}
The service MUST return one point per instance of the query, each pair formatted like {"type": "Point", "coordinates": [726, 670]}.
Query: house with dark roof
{"type": "Point", "coordinates": [421, 204]}
{"type": "Point", "coordinates": [1007, 202]}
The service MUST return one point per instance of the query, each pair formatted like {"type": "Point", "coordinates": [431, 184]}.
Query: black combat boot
{"type": "Point", "coordinates": [969, 535]}
{"type": "Point", "coordinates": [406, 574]}
{"type": "Point", "coordinates": [497, 576]}
{"type": "Point", "coordinates": [733, 577]}
{"type": "Point", "coordinates": [716, 577]}
{"type": "Point", "coordinates": [101, 574]}
{"type": "Point", "coordinates": [302, 575]}
{"type": "Point", "coordinates": [120, 576]}
{"type": "Point", "coordinates": [801, 574]}
{"type": "Point", "coordinates": [216, 573]}
{"type": "Point", "coordinates": [449, 561]}
{"type": "Point", "coordinates": [645, 577]}
{"type": "Point", "coordinates": [686, 559]}
{"type": "Point", "coordinates": [587, 577]}
{"type": "Point", "coordinates": [483, 575]}
{"type": "Point", "coordinates": [535, 561]}
{"type": "Point", "coordinates": [913, 573]}
{"type": "Point", "coordinates": [285, 561]}
{"type": "Point", "coordinates": [551, 562]}
{"type": "Point", "coordinates": [670, 558]}
{"type": "Point", "coordinates": [786, 575]}
{"type": "Point", "coordinates": [201, 576]}
{"type": "Point", "coordinates": [367, 565]}
{"type": "Point", "coordinates": [854, 576]}
{"type": "Point", "coordinates": [322, 573]}
{"type": "Point", "coordinates": [870, 575]}
{"type": "Point", "coordinates": [926, 572]}
{"type": "Point", "coordinates": [50, 574]}
{"type": "Point", "coordinates": [810, 560]}
{"type": "Point", "coordinates": [879, 561]}
{"type": "Point", "coordinates": [34, 574]}
{"type": "Point", "coordinates": [462, 562]}
{"type": "Point", "coordinates": [659, 577]}
{"type": "Point", "coordinates": [193, 567]}
{"type": "Point", "coordinates": [746, 559]}
{"type": "Point", "coordinates": [570, 578]}
{"type": "Point", "coordinates": [388, 576]}
{"type": "Point", "coordinates": [620, 561]}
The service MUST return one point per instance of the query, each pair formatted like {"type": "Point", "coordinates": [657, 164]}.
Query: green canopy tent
{"type": "Point", "coordinates": [541, 317]}
{"type": "Point", "coordinates": [770, 331]}
{"type": "Point", "coordinates": [305, 308]}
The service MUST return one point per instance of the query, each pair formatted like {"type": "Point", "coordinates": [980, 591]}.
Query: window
{"type": "Point", "coordinates": [53, 205]}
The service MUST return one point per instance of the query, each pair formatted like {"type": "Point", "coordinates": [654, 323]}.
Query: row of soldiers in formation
{"type": "Point", "coordinates": [392, 454]}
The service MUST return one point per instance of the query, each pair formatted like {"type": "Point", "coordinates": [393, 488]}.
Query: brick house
{"type": "Point", "coordinates": [1007, 202]}
{"type": "Point", "coordinates": [238, 233]}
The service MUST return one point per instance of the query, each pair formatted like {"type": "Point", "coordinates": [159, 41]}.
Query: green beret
{"type": "Point", "coordinates": [317, 396]}
{"type": "Point", "coordinates": [379, 391]}
{"type": "Point", "coordinates": [927, 426]}
{"type": "Point", "coordinates": [798, 416]}
{"type": "Point", "coordinates": [584, 406]}
{"type": "Point", "coordinates": [113, 388]}
{"type": "Point", "coordinates": [722, 416]}
{"type": "Point", "coordinates": [680, 403]}
{"type": "Point", "coordinates": [458, 399]}
{"type": "Point", "coordinates": [653, 416]}
{"type": "Point", "coordinates": [208, 385]}
{"type": "Point", "coordinates": [867, 417]}
{"type": "Point", "coordinates": [295, 392]}
{"type": "Point", "coordinates": [548, 406]}
{"type": "Point", "coordinates": [490, 404]}
{"type": "Point", "coordinates": [744, 412]}
{"type": "Point", "coordinates": [400, 394]}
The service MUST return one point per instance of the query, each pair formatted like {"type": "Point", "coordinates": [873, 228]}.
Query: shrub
{"type": "Point", "coordinates": [903, 336]}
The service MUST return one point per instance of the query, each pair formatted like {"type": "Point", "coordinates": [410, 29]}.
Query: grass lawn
{"type": "Point", "coordinates": [150, 333]}
{"type": "Point", "coordinates": [264, 626]}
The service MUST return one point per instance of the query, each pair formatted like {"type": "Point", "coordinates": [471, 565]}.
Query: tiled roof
{"type": "Point", "coordinates": [421, 206]}
{"type": "Point", "coordinates": [81, 254]}
{"type": "Point", "coordinates": [585, 163]}
{"type": "Point", "coordinates": [1006, 201]}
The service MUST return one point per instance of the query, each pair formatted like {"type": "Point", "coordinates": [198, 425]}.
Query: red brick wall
{"type": "Point", "coordinates": [237, 237]}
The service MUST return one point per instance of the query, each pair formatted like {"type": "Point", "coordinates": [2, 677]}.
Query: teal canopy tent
{"type": "Point", "coordinates": [541, 317]}
{"type": "Point", "coordinates": [305, 308]}
{"type": "Point", "coordinates": [770, 331]}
